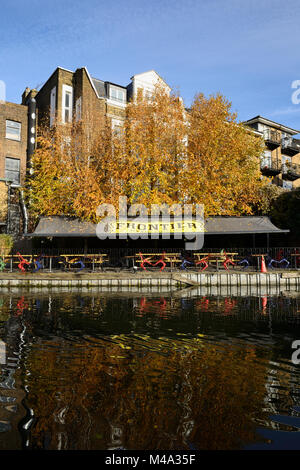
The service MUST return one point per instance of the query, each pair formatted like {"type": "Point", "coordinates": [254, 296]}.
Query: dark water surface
{"type": "Point", "coordinates": [154, 371]}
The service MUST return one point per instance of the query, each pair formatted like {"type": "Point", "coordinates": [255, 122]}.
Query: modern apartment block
{"type": "Point", "coordinates": [281, 160]}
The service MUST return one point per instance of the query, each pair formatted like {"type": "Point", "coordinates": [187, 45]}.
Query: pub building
{"type": "Point", "coordinates": [56, 235]}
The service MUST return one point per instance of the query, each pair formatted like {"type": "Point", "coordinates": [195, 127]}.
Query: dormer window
{"type": "Point", "coordinates": [117, 94]}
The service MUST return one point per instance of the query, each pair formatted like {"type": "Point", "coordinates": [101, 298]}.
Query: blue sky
{"type": "Point", "coordinates": [248, 51]}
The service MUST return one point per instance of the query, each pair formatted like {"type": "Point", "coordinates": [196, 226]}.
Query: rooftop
{"type": "Point", "coordinates": [275, 125]}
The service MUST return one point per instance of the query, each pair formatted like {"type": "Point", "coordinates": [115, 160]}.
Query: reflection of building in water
{"type": "Point", "coordinates": [283, 392]}
{"type": "Point", "coordinates": [11, 392]}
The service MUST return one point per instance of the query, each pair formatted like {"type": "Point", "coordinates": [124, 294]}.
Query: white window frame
{"type": "Point", "coordinates": [286, 161]}
{"type": "Point", "coordinates": [52, 106]}
{"type": "Point", "coordinates": [13, 136]}
{"type": "Point", "coordinates": [266, 160]}
{"type": "Point", "coordinates": [14, 183]}
{"type": "Point", "coordinates": [118, 90]}
{"type": "Point", "coordinates": [117, 126]}
{"type": "Point", "coordinates": [67, 89]}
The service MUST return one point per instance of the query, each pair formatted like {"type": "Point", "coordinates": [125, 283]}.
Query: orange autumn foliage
{"type": "Point", "coordinates": [163, 154]}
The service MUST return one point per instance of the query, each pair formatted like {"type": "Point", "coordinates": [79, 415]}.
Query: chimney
{"type": "Point", "coordinates": [28, 93]}
{"type": "Point", "coordinates": [25, 94]}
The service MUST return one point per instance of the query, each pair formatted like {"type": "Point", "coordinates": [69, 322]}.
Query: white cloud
{"type": "Point", "coordinates": [286, 111]}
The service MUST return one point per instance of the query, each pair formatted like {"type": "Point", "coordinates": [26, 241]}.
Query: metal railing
{"type": "Point", "coordinates": [291, 170]}
{"type": "Point", "coordinates": [287, 143]}
{"type": "Point", "coordinates": [116, 257]}
{"type": "Point", "coordinates": [270, 167]}
{"type": "Point", "coordinates": [272, 136]}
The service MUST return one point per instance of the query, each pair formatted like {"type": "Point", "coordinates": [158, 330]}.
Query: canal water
{"type": "Point", "coordinates": [148, 371]}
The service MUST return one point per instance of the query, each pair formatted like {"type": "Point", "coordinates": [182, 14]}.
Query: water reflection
{"type": "Point", "coordinates": [96, 371]}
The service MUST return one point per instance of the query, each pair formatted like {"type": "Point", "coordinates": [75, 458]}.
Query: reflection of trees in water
{"type": "Point", "coordinates": [157, 395]}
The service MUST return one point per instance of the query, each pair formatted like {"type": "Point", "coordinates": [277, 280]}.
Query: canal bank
{"type": "Point", "coordinates": [172, 280]}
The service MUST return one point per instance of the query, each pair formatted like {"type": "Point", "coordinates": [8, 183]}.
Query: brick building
{"type": "Point", "coordinates": [17, 141]}
{"type": "Point", "coordinates": [66, 94]}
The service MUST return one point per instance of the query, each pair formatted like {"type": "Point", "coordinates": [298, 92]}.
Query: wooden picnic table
{"type": "Point", "coordinates": [98, 258]}
{"type": "Point", "coordinates": [214, 257]}
{"type": "Point", "coordinates": [69, 259]}
{"type": "Point", "coordinates": [176, 258]}
{"type": "Point", "coordinates": [27, 259]}
{"type": "Point", "coordinates": [171, 258]}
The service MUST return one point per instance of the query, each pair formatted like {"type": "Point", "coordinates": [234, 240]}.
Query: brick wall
{"type": "Point", "coordinates": [12, 148]}
{"type": "Point", "coordinates": [91, 106]}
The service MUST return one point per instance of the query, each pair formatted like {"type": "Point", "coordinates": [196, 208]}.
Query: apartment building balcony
{"type": "Point", "coordinates": [270, 168]}
{"type": "Point", "coordinates": [272, 138]}
{"type": "Point", "coordinates": [290, 146]}
{"type": "Point", "coordinates": [290, 171]}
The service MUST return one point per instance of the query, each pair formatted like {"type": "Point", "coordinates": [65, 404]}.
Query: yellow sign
{"type": "Point", "coordinates": [136, 226]}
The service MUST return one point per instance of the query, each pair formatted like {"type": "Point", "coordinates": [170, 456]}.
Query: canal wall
{"type": "Point", "coordinates": [279, 280]}
{"type": "Point", "coordinates": [153, 280]}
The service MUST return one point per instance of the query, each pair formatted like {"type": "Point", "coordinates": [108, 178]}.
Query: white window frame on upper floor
{"type": "Point", "coordinates": [67, 90]}
{"type": "Point", "coordinates": [52, 106]}
{"type": "Point", "coordinates": [117, 125]}
{"type": "Point", "coordinates": [13, 125]}
{"type": "Point", "coordinates": [118, 90]}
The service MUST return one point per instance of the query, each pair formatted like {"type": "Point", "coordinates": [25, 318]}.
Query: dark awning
{"type": "Point", "coordinates": [240, 225]}
{"type": "Point", "coordinates": [57, 226]}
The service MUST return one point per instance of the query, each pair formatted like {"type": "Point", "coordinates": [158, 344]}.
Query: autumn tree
{"type": "Point", "coordinates": [72, 169]}
{"type": "Point", "coordinates": [154, 148]}
{"type": "Point", "coordinates": [223, 165]}
{"type": "Point", "coordinates": [163, 154]}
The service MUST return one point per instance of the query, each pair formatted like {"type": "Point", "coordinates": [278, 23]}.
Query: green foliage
{"type": "Point", "coordinates": [286, 211]}
{"type": "Point", "coordinates": [6, 244]}
{"type": "Point", "coordinates": [268, 196]}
